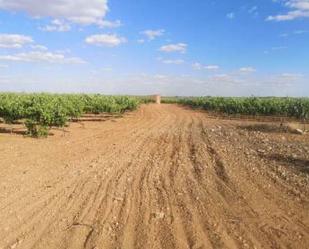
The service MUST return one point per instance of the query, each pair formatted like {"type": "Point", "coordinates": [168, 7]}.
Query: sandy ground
{"type": "Point", "coordinates": [161, 177]}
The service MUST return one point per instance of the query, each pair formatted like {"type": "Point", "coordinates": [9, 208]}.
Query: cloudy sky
{"type": "Point", "coordinates": [172, 47]}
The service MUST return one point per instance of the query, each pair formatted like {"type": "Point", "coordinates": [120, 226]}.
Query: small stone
{"type": "Point", "coordinates": [159, 215]}
{"type": "Point", "coordinates": [299, 131]}
{"type": "Point", "coordinates": [14, 245]}
{"type": "Point", "coordinates": [118, 199]}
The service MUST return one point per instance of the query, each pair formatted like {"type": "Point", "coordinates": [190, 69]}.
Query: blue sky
{"type": "Point", "coordinates": [174, 47]}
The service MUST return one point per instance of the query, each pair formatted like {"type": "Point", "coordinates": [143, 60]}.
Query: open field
{"type": "Point", "coordinates": [160, 177]}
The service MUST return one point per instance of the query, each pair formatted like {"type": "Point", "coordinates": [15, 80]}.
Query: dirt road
{"type": "Point", "coordinates": [161, 177]}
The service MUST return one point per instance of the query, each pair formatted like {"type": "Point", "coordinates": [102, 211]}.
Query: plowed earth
{"type": "Point", "coordinates": [161, 177]}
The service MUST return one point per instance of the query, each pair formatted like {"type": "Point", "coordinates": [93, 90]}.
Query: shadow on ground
{"type": "Point", "coordinates": [5, 130]}
{"type": "Point", "coordinates": [299, 164]}
{"type": "Point", "coordinates": [268, 128]}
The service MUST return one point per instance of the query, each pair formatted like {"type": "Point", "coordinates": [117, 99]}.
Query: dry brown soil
{"type": "Point", "coordinates": [161, 177]}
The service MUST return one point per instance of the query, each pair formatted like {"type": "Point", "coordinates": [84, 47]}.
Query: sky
{"type": "Point", "coordinates": [168, 47]}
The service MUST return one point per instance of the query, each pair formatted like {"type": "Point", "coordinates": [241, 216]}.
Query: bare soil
{"type": "Point", "coordinates": [161, 177]}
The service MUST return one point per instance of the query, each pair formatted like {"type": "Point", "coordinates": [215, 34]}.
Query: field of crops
{"type": "Point", "coordinates": [268, 106]}
{"type": "Point", "coordinates": [39, 112]}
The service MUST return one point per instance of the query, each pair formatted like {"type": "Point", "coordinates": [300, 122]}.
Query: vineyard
{"type": "Point", "coordinates": [269, 106]}
{"type": "Point", "coordinates": [40, 112]}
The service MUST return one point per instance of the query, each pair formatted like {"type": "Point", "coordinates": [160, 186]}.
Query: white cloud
{"type": "Point", "coordinates": [3, 66]}
{"type": "Point", "coordinates": [39, 56]}
{"type": "Point", "coordinates": [284, 35]}
{"type": "Point", "coordinates": [107, 69]}
{"type": "Point", "coordinates": [290, 76]}
{"type": "Point", "coordinates": [223, 78]}
{"type": "Point", "coordinates": [141, 41]}
{"type": "Point", "coordinates": [160, 77]}
{"type": "Point", "coordinates": [190, 85]}
{"type": "Point", "coordinates": [107, 40]}
{"type": "Point", "coordinates": [152, 34]}
{"type": "Point", "coordinates": [57, 25]}
{"type": "Point", "coordinates": [176, 62]}
{"type": "Point", "coordinates": [230, 15]}
{"type": "Point", "coordinates": [179, 47]}
{"type": "Point", "coordinates": [109, 24]}
{"type": "Point", "coordinates": [297, 9]}
{"type": "Point", "coordinates": [39, 47]}
{"type": "Point", "coordinates": [295, 32]}
{"type": "Point", "coordinates": [253, 9]}
{"type": "Point", "coordinates": [247, 70]}
{"type": "Point", "coordinates": [63, 51]}
{"type": "Point", "coordinates": [279, 48]}
{"type": "Point", "coordinates": [300, 32]}
{"type": "Point", "coordinates": [76, 11]}
{"type": "Point", "coordinates": [212, 67]}
{"type": "Point", "coordinates": [102, 70]}
{"type": "Point", "coordinates": [199, 66]}
{"type": "Point", "coordinates": [173, 84]}
{"type": "Point", "coordinates": [14, 40]}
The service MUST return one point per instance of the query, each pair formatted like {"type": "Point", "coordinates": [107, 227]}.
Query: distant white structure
{"type": "Point", "coordinates": [157, 98]}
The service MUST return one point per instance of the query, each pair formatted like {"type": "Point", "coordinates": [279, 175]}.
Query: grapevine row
{"type": "Point", "coordinates": [268, 106]}
{"type": "Point", "coordinates": [42, 111]}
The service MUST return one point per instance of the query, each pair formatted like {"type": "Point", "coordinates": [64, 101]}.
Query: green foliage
{"type": "Point", "coordinates": [36, 130]}
{"type": "Point", "coordinates": [42, 111]}
{"type": "Point", "coordinates": [267, 106]}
